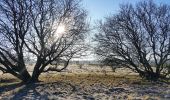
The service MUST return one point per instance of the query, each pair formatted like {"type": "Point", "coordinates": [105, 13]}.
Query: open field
{"type": "Point", "coordinates": [85, 83]}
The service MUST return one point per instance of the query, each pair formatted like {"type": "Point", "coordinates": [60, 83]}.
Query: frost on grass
{"type": "Point", "coordinates": [86, 87]}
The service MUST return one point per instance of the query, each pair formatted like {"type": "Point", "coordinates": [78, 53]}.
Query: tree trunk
{"type": "Point", "coordinates": [25, 76]}
{"type": "Point", "coordinates": [34, 78]}
{"type": "Point", "coordinates": [150, 75]}
{"type": "Point", "coordinates": [154, 76]}
{"type": "Point", "coordinates": [35, 75]}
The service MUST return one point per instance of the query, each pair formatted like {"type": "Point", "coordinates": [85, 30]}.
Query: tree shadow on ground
{"type": "Point", "coordinates": [7, 80]}
{"type": "Point", "coordinates": [63, 90]}
{"type": "Point", "coordinates": [44, 91]}
{"type": "Point", "coordinates": [8, 87]}
{"type": "Point", "coordinates": [27, 92]}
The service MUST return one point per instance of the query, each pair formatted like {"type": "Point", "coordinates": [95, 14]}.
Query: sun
{"type": "Point", "coordinates": [60, 29]}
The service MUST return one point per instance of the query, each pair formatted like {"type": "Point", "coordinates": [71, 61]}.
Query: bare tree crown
{"type": "Point", "coordinates": [31, 27]}
{"type": "Point", "coordinates": [138, 37]}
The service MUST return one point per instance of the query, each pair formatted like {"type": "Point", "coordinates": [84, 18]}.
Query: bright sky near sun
{"type": "Point", "coordinates": [98, 9]}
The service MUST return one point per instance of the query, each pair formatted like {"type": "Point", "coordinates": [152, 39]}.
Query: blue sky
{"type": "Point", "coordinates": [98, 9]}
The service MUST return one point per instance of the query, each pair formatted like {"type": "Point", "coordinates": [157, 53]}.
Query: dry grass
{"type": "Point", "coordinates": [88, 82]}
{"type": "Point", "coordinates": [89, 79]}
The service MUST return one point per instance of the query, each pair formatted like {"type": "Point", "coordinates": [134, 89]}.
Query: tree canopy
{"type": "Point", "coordinates": [137, 37]}
{"type": "Point", "coordinates": [30, 28]}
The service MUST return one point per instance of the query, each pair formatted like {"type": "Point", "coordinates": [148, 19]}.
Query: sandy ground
{"type": "Point", "coordinates": [87, 83]}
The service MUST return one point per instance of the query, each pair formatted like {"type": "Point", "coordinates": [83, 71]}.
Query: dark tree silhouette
{"type": "Point", "coordinates": [137, 37]}
{"type": "Point", "coordinates": [32, 27]}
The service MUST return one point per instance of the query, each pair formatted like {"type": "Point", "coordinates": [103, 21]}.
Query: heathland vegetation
{"type": "Point", "coordinates": [131, 47]}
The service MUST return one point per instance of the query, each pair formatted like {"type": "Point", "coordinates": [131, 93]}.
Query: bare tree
{"type": "Point", "coordinates": [138, 37]}
{"type": "Point", "coordinates": [49, 30]}
{"type": "Point", "coordinates": [14, 25]}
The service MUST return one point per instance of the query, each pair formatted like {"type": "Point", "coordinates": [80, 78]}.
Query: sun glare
{"type": "Point", "coordinates": [61, 29]}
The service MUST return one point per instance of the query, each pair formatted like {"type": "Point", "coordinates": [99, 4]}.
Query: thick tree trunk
{"type": "Point", "coordinates": [22, 68]}
{"type": "Point", "coordinates": [35, 75]}
{"type": "Point", "coordinates": [25, 76]}
{"type": "Point", "coordinates": [150, 75]}
{"type": "Point", "coordinates": [34, 78]}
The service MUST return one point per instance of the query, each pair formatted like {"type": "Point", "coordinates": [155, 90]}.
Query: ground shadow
{"type": "Point", "coordinates": [7, 80]}
{"type": "Point", "coordinates": [27, 92]}
{"type": "Point", "coordinates": [9, 87]}
{"type": "Point", "coordinates": [65, 90]}
{"type": "Point", "coordinates": [44, 91]}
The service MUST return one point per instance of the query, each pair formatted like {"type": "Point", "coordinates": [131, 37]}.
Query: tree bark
{"type": "Point", "coordinates": [35, 74]}
{"type": "Point", "coordinates": [25, 76]}
{"type": "Point", "coordinates": [34, 78]}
